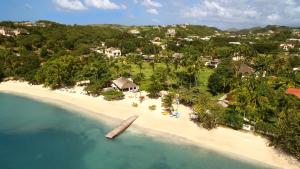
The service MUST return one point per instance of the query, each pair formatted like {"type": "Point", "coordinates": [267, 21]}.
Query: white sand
{"type": "Point", "coordinates": [238, 144]}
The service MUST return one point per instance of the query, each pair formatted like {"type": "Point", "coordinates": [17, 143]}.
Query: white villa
{"type": "Point", "coordinates": [113, 52]}
{"type": "Point", "coordinates": [235, 43]}
{"type": "Point", "coordinates": [171, 32]}
{"type": "Point", "coordinates": [206, 38]}
{"type": "Point", "coordinates": [134, 31]}
{"type": "Point", "coordinates": [286, 46]}
{"type": "Point", "coordinates": [12, 32]}
{"type": "Point", "coordinates": [6, 31]}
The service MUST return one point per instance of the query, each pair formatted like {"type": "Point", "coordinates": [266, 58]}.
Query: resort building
{"type": "Point", "coordinates": [125, 85]}
{"type": "Point", "coordinates": [113, 52]}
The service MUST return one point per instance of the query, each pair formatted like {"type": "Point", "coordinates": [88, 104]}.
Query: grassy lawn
{"type": "Point", "coordinates": [147, 70]}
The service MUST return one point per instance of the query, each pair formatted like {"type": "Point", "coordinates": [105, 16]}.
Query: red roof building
{"type": "Point", "coordinates": [294, 91]}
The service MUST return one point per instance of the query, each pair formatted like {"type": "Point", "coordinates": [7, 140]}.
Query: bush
{"type": "Point", "coordinates": [1, 75]}
{"type": "Point", "coordinates": [233, 119]}
{"type": "Point", "coordinates": [113, 95]}
{"type": "Point", "coordinates": [135, 105]}
{"type": "Point", "coordinates": [152, 107]}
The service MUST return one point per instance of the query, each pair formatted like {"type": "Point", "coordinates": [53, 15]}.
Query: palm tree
{"type": "Point", "coordinates": [167, 102]}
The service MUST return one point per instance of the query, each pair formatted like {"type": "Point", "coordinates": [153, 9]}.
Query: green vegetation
{"type": "Point", "coordinates": [152, 107]}
{"type": "Point", "coordinates": [135, 105]}
{"type": "Point", "coordinates": [167, 102]}
{"type": "Point", "coordinates": [59, 56]}
{"type": "Point", "coordinates": [111, 95]}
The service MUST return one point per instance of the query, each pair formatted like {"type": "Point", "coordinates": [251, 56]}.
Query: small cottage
{"type": "Point", "coordinates": [125, 85]}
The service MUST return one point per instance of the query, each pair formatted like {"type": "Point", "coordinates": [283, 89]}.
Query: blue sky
{"type": "Point", "coordinates": [219, 13]}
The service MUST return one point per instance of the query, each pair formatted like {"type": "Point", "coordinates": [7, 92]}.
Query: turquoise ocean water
{"type": "Point", "coordinates": [36, 135]}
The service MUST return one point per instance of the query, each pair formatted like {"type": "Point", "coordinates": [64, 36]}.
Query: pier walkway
{"type": "Point", "coordinates": [121, 128]}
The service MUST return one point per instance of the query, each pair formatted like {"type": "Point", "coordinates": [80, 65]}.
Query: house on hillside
{"type": "Point", "coordinates": [287, 46]}
{"type": "Point", "coordinates": [25, 23]}
{"type": "Point", "coordinates": [206, 38]}
{"type": "Point", "coordinates": [134, 31]}
{"type": "Point", "coordinates": [156, 41]}
{"type": "Point", "coordinates": [99, 49]}
{"type": "Point", "coordinates": [148, 58]}
{"type": "Point", "coordinates": [177, 55]}
{"type": "Point", "coordinates": [212, 63]}
{"type": "Point", "coordinates": [12, 32]}
{"type": "Point", "coordinates": [237, 57]}
{"type": "Point", "coordinates": [6, 31]}
{"type": "Point", "coordinates": [171, 32]}
{"type": "Point", "coordinates": [20, 31]}
{"type": "Point", "coordinates": [234, 43]}
{"type": "Point", "coordinates": [125, 85]}
{"type": "Point", "coordinates": [113, 52]}
{"type": "Point", "coordinates": [245, 69]}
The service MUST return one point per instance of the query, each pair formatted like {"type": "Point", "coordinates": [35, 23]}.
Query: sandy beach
{"type": "Point", "coordinates": [238, 144]}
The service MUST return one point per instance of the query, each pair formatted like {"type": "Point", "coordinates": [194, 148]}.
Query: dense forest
{"type": "Point", "coordinates": [58, 55]}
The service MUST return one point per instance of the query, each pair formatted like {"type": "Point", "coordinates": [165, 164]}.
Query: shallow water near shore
{"type": "Point", "coordinates": [35, 135]}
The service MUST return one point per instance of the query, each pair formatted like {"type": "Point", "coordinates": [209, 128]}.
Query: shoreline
{"type": "Point", "coordinates": [234, 144]}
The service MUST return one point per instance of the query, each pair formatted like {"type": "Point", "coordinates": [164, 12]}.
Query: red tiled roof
{"type": "Point", "coordinates": [294, 91]}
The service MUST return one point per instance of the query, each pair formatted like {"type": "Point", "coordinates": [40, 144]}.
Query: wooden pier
{"type": "Point", "coordinates": [121, 128]}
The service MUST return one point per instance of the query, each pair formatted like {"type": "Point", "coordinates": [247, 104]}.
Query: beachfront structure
{"type": "Point", "coordinates": [113, 52]}
{"type": "Point", "coordinates": [171, 32]}
{"type": "Point", "coordinates": [125, 85]}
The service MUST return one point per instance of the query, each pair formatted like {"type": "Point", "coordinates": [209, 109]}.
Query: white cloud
{"type": "Point", "coordinates": [273, 17]}
{"type": "Point", "coordinates": [103, 4]}
{"type": "Point", "coordinates": [27, 6]}
{"type": "Point", "coordinates": [151, 5]}
{"type": "Point", "coordinates": [75, 5]}
{"type": "Point", "coordinates": [244, 12]}
{"type": "Point", "coordinates": [152, 11]}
